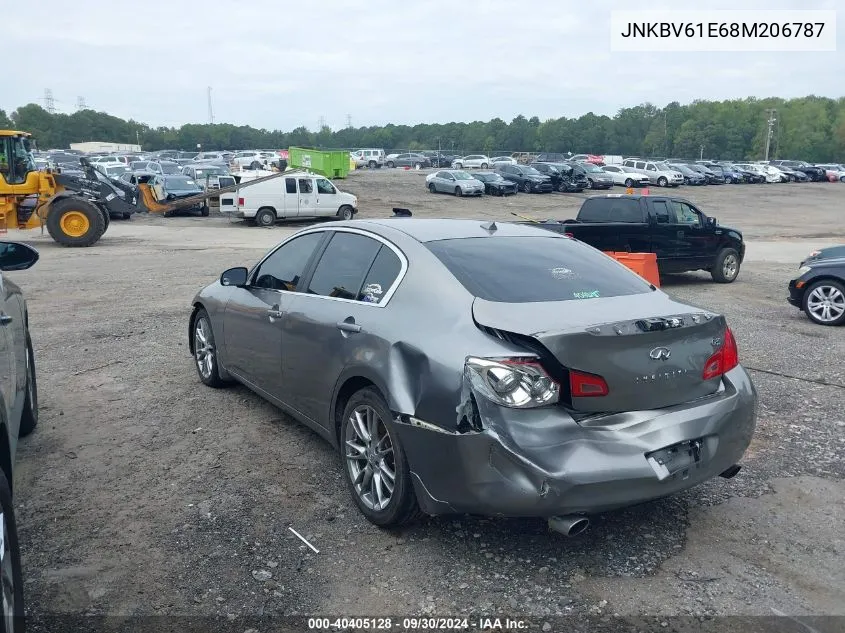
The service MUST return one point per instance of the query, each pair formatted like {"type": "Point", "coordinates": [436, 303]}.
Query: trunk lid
{"type": "Point", "coordinates": [650, 350]}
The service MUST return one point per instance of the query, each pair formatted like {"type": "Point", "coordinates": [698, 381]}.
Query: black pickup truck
{"type": "Point", "coordinates": [680, 234]}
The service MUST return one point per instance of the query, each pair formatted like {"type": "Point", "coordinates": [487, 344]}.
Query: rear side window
{"type": "Point", "coordinates": [526, 269]}
{"type": "Point", "coordinates": [610, 210]}
{"type": "Point", "coordinates": [343, 266]}
{"type": "Point", "coordinates": [290, 185]}
{"type": "Point", "coordinates": [381, 276]}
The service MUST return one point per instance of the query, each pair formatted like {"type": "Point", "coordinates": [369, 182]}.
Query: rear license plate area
{"type": "Point", "coordinates": [675, 460]}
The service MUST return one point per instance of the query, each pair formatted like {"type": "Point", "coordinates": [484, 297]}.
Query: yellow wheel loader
{"type": "Point", "coordinates": [74, 209]}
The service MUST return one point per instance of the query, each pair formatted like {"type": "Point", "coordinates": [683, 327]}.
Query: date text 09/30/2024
{"type": "Point", "coordinates": [416, 624]}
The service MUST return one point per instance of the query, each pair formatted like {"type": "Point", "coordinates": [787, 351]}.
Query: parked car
{"type": "Point", "coordinates": [472, 161]}
{"type": "Point", "coordinates": [574, 181]}
{"type": "Point", "coordinates": [207, 176]}
{"type": "Point", "coordinates": [526, 178]}
{"type": "Point", "coordinates": [371, 158]}
{"type": "Point", "coordinates": [254, 160]}
{"type": "Point", "coordinates": [494, 184]}
{"type": "Point", "coordinates": [658, 173]}
{"type": "Point", "coordinates": [588, 158]}
{"type": "Point", "coordinates": [559, 178]}
{"type": "Point", "coordinates": [597, 178]}
{"type": "Point", "coordinates": [454, 181]}
{"type": "Point", "coordinates": [294, 195]}
{"type": "Point", "coordinates": [729, 173]}
{"type": "Point", "coordinates": [439, 159]}
{"type": "Point", "coordinates": [418, 161]}
{"type": "Point", "coordinates": [816, 174]}
{"type": "Point", "coordinates": [503, 160]}
{"type": "Point", "coordinates": [691, 177]}
{"type": "Point", "coordinates": [711, 176]}
{"type": "Point", "coordinates": [552, 157]}
{"type": "Point", "coordinates": [522, 350]}
{"type": "Point", "coordinates": [833, 171]}
{"type": "Point", "coordinates": [794, 175]}
{"type": "Point", "coordinates": [819, 287]}
{"type": "Point", "coordinates": [625, 176]}
{"type": "Point", "coordinates": [173, 187]}
{"type": "Point", "coordinates": [112, 170]}
{"type": "Point", "coordinates": [747, 175]}
{"type": "Point", "coordinates": [768, 177]}
{"type": "Point", "coordinates": [19, 403]}
{"type": "Point", "coordinates": [682, 236]}
{"type": "Point", "coordinates": [156, 167]}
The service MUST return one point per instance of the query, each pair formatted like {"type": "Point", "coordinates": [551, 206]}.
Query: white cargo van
{"type": "Point", "coordinates": [294, 195]}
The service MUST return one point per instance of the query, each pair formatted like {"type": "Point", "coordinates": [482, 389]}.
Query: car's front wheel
{"type": "Point", "coordinates": [629, 183]}
{"type": "Point", "coordinates": [824, 302]}
{"type": "Point", "coordinates": [726, 266]}
{"type": "Point", "coordinates": [459, 165]}
{"type": "Point", "coordinates": [346, 212]}
{"type": "Point", "coordinates": [11, 576]}
{"type": "Point", "coordinates": [483, 165]}
{"type": "Point", "coordinates": [377, 471]}
{"type": "Point", "coordinates": [391, 164]}
{"type": "Point", "coordinates": [432, 187]}
{"type": "Point", "coordinates": [662, 182]}
{"type": "Point", "coordinates": [205, 351]}
{"type": "Point", "coordinates": [526, 187]}
{"type": "Point", "coordinates": [29, 417]}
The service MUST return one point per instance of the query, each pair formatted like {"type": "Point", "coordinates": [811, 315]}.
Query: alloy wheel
{"type": "Point", "coordinates": [369, 457]}
{"type": "Point", "coordinates": [827, 303]}
{"type": "Point", "coordinates": [203, 347]}
{"type": "Point", "coordinates": [7, 578]}
{"type": "Point", "coordinates": [730, 267]}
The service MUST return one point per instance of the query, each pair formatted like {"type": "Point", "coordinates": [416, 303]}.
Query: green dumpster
{"type": "Point", "coordinates": [331, 164]}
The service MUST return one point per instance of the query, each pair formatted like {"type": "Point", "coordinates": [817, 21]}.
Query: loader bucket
{"type": "Point", "coordinates": [146, 200]}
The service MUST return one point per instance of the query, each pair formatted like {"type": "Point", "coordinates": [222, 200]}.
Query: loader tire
{"type": "Point", "coordinates": [76, 222]}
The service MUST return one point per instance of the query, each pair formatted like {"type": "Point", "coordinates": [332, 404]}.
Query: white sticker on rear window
{"type": "Point", "coordinates": [563, 273]}
{"type": "Point", "coordinates": [587, 294]}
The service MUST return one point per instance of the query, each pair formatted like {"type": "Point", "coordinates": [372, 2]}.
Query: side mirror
{"type": "Point", "coordinates": [234, 277]}
{"type": "Point", "coordinates": [17, 256]}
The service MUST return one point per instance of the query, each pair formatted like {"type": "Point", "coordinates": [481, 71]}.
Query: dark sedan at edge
{"type": "Point", "coordinates": [819, 288]}
{"type": "Point", "coordinates": [550, 381]}
{"type": "Point", "coordinates": [494, 184]}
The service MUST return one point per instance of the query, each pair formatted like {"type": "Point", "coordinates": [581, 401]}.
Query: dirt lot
{"type": "Point", "coordinates": [143, 492]}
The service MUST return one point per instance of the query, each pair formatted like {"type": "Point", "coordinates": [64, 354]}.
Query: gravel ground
{"type": "Point", "coordinates": [144, 493]}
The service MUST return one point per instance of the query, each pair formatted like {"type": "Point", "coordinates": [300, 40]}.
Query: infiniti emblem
{"type": "Point", "coordinates": [660, 353]}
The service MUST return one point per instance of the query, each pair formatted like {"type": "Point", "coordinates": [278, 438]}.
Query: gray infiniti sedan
{"type": "Point", "coordinates": [469, 367]}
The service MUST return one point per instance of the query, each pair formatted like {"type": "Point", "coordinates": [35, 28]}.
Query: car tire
{"type": "Point", "coordinates": [127, 216]}
{"type": "Point", "coordinates": [371, 164]}
{"type": "Point", "coordinates": [204, 211]}
{"type": "Point", "coordinates": [391, 164]}
{"type": "Point", "coordinates": [346, 212]}
{"type": "Point", "coordinates": [11, 549]}
{"type": "Point", "coordinates": [255, 165]}
{"type": "Point", "coordinates": [629, 183]}
{"type": "Point", "coordinates": [205, 359]}
{"type": "Point", "coordinates": [417, 165]}
{"type": "Point", "coordinates": [662, 182]}
{"type": "Point", "coordinates": [265, 217]}
{"type": "Point", "coordinates": [562, 187]}
{"type": "Point", "coordinates": [729, 180]}
{"type": "Point", "coordinates": [29, 416]}
{"type": "Point", "coordinates": [356, 443]}
{"type": "Point", "coordinates": [726, 267]}
{"type": "Point", "coordinates": [841, 178]}
{"type": "Point", "coordinates": [432, 187]}
{"type": "Point", "coordinates": [459, 165]}
{"type": "Point", "coordinates": [831, 289]}
{"type": "Point", "coordinates": [483, 165]}
{"type": "Point", "coordinates": [458, 192]}
{"type": "Point", "coordinates": [526, 187]}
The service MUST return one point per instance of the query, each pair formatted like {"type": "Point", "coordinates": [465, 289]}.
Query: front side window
{"type": "Point", "coordinates": [284, 268]}
{"type": "Point", "coordinates": [325, 187]}
{"type": "Point", "coordinates": [684, 214]}
{"type": "Point", "coordinates": [343, 266]}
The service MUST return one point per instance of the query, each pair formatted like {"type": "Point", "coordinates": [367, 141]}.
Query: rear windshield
{"type": "Point", "coordinates": [526, 269]}
{"type": "Point", "coordinates": [611, 210]}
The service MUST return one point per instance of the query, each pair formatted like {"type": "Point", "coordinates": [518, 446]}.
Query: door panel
{"type": "Point", "coordinates": [327, 204]}
{"type": "Point", "coordinates": [307, 197]}
{"type": "Point", "coordinates": [8, 361]}
{"type": "Point", "coordinates": [290, 196]}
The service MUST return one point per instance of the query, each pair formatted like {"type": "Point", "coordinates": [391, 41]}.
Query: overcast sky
{"type": "Point", "coordinates": [280, 65]}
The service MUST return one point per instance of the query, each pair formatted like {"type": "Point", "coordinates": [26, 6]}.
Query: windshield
{"type": "Point", "coordinates": [530, 171]}
{"type": "Point", "coordinates": [116, 170]}
{"type": "Point", "coordinates": [485, 177]}
{"type": "Point", "coordinates": [138, 166]}
{"type": "Point", "coordinates": [180, 183]}
{"type": "Point", "coordinates": [209, 171]}
{"type": "Point", "coordinates": [528, 269]}
{"type": "Point", "coordinates": [461, 175]}
{"type": "Point", "coordinates": [591, 169]}
{"type": "Point", "coordinates": [169, 168]}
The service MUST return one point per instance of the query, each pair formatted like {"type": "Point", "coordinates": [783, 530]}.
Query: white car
{"type": "Point", "coordinates": [834, 170]}
{"type": "Point", "coordinates": [761, 170]}
{"type": "Point", "coordinates": [771, 169]}
{"type": "Point", "coordinates": [477, 161]}
{"type": "Point", "coordinates": [254, 160]}
{"type": "Point", "coordinates": [626, 176]}
{"type": "Point", "coordinates": [368, 157]}
{"type": "Point", "coordinates": [658, 173]}
{"type": "Point", "coordinates": [503, 160]}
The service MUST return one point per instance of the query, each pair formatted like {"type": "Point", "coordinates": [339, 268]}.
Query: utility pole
{"type": "Point", "coordinates": [80, 103]}
{"type": "Point", "coordinates": [322, 123]}
{"type": "Point", "coordinates": [770, 124]}
{"type": "Point", "coordinates": [701, 156]}
{"type": "Point", "coordinates": [349, 121]}
{"type": "Point", "coordinates": [210, 109]}
{"type": "Point", "coordinates": [49, 101]}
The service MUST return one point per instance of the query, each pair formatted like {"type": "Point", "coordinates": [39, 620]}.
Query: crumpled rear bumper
{"type": "Point", "coordinates": [542, 463]}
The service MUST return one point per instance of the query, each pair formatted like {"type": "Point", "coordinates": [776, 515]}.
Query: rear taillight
{"type": "Point", "coordinates": [520, 383]}
{"type": "Point", "coordinates": [241, 202]}
{"type": "Point", "coordinates": [584, 385]}
{"type": "Point", "coordinates": [725, 359]}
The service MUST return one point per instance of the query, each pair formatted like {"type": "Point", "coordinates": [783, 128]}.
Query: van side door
{"type": "Point", "coordinates": [307, 197]}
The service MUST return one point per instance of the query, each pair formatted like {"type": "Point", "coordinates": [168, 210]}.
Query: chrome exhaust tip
{"type": "Point", "coordinates": [731, 472]}
{"type": "Point", "coordinates": [569, 525]}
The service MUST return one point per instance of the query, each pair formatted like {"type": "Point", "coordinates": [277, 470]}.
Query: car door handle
{"type": "Point", "coordinates": [346, 326]}
{"type": "Point", "coordinates": [5, 319]}
{"type": "Point", "coordinates": [680, 233]}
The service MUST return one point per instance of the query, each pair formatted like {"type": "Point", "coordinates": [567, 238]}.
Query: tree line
{"type": "Point", "coordinates": [808, 128]}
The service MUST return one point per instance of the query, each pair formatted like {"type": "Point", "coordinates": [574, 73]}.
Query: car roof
{"type": "Point", "coordinates": [431, 230]}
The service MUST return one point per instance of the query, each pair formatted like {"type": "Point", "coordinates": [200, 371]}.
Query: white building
{"type": "Point", "coordinates": [97, 146]}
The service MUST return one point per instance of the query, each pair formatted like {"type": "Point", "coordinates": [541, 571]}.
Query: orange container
{"type": "Point", "coordinates": [644, 264]}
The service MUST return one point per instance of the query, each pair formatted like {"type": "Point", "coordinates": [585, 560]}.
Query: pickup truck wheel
{"type": "Point", "coordinates": [265, 217]}
{"type": "Point", "coordinates": [824, 302]}
{"type": "Point", "coordinates": [526, 187]}
{"type": "Point", "coordinates": [629, 183]}
{"type": "Point", "coordinates": [662, 182]}
{"type": "Point", "coordinates": [726, 267]}
{"type": "Point", "coordinates": [432, 187]}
